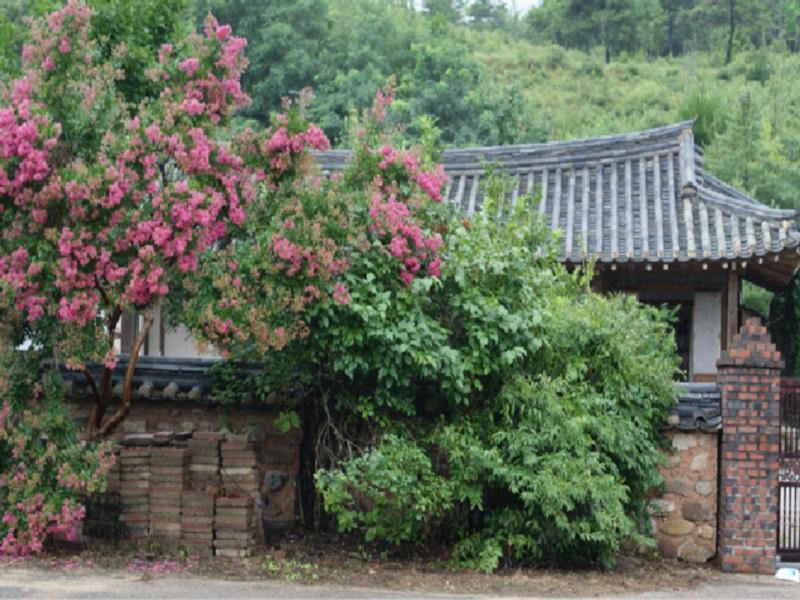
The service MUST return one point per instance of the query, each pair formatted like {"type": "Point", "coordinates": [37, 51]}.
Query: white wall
{"type": "Point", "coordinates": [706, 332]}
{"type": "Point", "coordinates": [178, 343]}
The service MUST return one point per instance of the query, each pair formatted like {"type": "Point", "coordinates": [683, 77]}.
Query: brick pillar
{"type": "Point", "coordinates": [749, 380]}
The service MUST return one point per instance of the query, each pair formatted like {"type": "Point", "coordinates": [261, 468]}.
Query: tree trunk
{"type": "Point", "coordinates": [102, 394]}
{"type": "Point", "coordinates": [731, 30]}
{"type": "Point", "coordinates": [127, 389]}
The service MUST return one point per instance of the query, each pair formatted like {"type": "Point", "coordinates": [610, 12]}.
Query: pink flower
{"type": "Point", "coordinates": [48, 64]}
{"type": "Point", "coordinates": [317, 139]}
{"type": "Point", "coordinates": [398, 246]}
{"type": "Point", "coordinates": [193, 107]}
{"type": "Point", "coordinates": [64, 46]}
{"type": "Point", "coordinates": [189, 66]}
{"type": "Point", "coordinates": [434, 268]}
{"type": "Point", "coordinates": [164, 53]}
{"type": "Point", "coordinates": [341, 294]}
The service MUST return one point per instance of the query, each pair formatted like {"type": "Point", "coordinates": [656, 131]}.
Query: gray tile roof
{"type": "Point", "coordinates": [158, 379]}
{"type": "Point", "coordinates": [161, 379]}
{"type": "Point", "coordinates": [698, 408]}
{"type": "Point", "coordinates": [639, 197]}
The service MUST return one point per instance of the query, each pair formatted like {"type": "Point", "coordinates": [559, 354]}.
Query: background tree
{"type": "Point", "coordinates": [451, 11]}
{"type": "Point", "coordinates": [286, 42]}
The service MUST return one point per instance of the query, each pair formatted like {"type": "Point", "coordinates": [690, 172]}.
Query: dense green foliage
{"type": "Point", "coordinates": [540, 411]}
{"type": "Point", "coordinates": [544, 419]}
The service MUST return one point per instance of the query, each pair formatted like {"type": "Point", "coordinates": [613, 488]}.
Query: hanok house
{"type": "Point", "coordinates": [657, 225]}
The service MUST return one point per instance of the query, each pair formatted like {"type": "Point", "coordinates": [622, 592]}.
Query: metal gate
{"type": "Point", "coordinates": [789, 474]}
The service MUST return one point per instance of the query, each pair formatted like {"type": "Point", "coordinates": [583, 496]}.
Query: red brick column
{"type": "Point", "coordinates": [749, 380]}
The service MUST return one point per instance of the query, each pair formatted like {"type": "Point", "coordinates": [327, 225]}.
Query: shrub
{"type": "Point", "coordinates": [44, 468]}
{"type": "Point", "coordinates": [550, 432]}
{"type": "Point", "coordinates": [544, 408]}
{"type": "Point", "coordinates": [389, 492]}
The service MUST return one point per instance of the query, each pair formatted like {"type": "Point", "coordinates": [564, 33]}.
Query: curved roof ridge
{"type": "Point", "coordinates": [745, 204]}
{"type": "Point", "coordinates": [665, 131]}
{"type": "Point", "coordinates": [517, 156]}
{"type": "Point", "coordinates": [725, 189]}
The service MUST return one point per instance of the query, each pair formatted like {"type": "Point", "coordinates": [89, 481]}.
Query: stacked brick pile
{"type": "Point", "coordinates": [169, 489]}
{"type": "Point", "coordinates": [169, 476]}
{"type": "Point", "coordinates": [204, 469]}
{"type": "Point", "coordinates": [241, 475]}
{"type": "Point", "coordinates": [234, 535]}
{"type": "Point", "coordinates": [197, 521]}
{"type": "Point", "coordinates": [134, 463]}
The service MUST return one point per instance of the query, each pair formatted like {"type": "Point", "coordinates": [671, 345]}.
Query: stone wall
{"type": "Point", "coordinates": [278, 453]}
{"type": "Point", "coordinates": [685, 516]}
{"type": "Point", "coordinates": [749, 380]}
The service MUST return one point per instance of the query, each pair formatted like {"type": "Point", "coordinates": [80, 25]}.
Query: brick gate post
{"type": "Point", "coordinates": [749, 375]}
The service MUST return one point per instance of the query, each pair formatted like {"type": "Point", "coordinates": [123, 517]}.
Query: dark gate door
{"type": "Point", "coordinates": [789, 476]}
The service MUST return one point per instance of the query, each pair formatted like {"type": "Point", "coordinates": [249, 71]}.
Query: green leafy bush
{"type": "Point", "coordinates": [548, 423]}
{"type": "Point", "coordinates": [541, 400]}
{"type": "Point", "coordinates": [389, 492]}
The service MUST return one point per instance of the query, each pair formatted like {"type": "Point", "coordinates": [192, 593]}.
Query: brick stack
{"type": "Point", "coordinates": [241, 476]}
{"type": "Point", "coordinates": [134, 464]}
{"type": "Point", "coordinates": [233, 526]}
{"type": "Point", "coordinates": [197, 521]}
{"type": "Point", "coordinates": [169, 477]}
{"type": "Point", "coordinates": [204, 469]}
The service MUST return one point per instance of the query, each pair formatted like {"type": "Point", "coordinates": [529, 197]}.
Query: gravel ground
{"type": "Point", "coordinates": [24, 582]}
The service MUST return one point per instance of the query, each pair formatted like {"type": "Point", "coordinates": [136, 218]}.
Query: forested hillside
{"type": "Point", "coordinates": [488, 75]}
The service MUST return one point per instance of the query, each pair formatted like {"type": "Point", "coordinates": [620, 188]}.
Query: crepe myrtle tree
{"type": "Point", "coordinates": [107, 208]}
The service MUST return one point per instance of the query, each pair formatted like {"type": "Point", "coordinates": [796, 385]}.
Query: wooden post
{"type": "Point", "coordinates": [127, 333]}
{"type": "Point", "coordinates": [730, 309]}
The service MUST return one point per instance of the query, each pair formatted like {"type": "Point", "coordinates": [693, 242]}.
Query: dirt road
{"type": "Point", "coordinates": [23, 583]}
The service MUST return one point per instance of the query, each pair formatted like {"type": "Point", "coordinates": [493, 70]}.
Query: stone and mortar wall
{"type": "Point", "coordinates": [685, 515]}
{"type": "Point", "coordinates": [749, 381]}
{"type": "Point", "coordinates": [278, 453]}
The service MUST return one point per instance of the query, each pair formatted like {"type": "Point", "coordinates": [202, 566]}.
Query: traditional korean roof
{"type": "Point", "coordinates": [698, 408]}
{"type": "Point", "coordinates": [161, 379]}
{"type": "Point", "coordinates": [158, 379]}
{"type": "Point", "coordinates": [642, 197]}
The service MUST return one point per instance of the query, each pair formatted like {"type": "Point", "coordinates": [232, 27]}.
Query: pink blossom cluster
{"type": "Point", "coordinates": [28, 516]}
{"type": "Point", "coordinates": [281, 145]}
{"type": "Point", "coordinates": [400, 191]}
{"type": "Point", "coordinates": [20, 274]}
{"type": "Point", "coordinates": [211, 92]}
{"type": "Point", "coordinates": [65, 34]}
{"type": "Point", "coordinates": [34, 521]}
{"type": "Point", "coordinates": [26, 138]}
{"type": "Point", "coordinates": [383, 98]}
{"type": "Point", "coordinates": [431, 182]}
{"type": "Point", "coordinates": [392, 219]}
